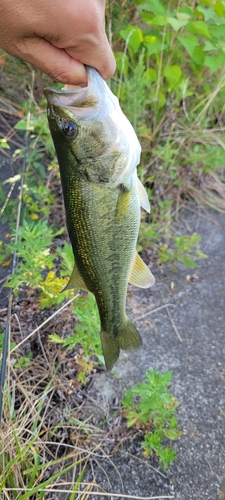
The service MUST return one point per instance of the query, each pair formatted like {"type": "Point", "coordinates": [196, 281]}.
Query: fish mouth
{"type": "Point", "coordinates": [77, 96]}
{"type": "Point", "coordinates": [66, 97]}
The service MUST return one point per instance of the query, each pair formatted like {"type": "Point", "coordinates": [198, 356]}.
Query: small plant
{"type": "Point", "coordinates": [150, 408]}
{"type": "Point", "coordinates": [87, 331]}
{"type": "Point", "coordinates": [86, 335]}
{"type": "Point", "coordinates": [24, 361]}
{"type": "Point", "coordinates": [67, 258]}
{"type": "Point", "coordinates": [4, 144]}
{"type": "Point", "coordinates": [36, 262]}
{"type": "Point", "coordinates": [182, 250]}
{"type": "Point", "coordinates": [40, 137]}
{"type": "Point", "coordinates": [12, 344]}
{"type": "Point", "coordinates": [158, 228]}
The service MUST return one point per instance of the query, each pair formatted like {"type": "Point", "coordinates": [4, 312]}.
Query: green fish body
{"type": "Point", "coordinates": [102, 197]}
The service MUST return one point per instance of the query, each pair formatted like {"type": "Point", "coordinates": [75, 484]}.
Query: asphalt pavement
{"type": "Point", "coordinates": [182, 323]}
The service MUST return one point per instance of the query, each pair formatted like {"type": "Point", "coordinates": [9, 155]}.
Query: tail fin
{"type": "Point", "coordinates": [127, 339]}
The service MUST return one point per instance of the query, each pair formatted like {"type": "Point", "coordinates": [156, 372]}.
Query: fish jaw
{"type": "Point", "coordinates": [96, 112]}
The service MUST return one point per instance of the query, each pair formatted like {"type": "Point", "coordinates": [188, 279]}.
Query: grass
{"type": "Point", "coordinates": [36, 450]}
{"type": "Point", "coordinates": [177, 100]}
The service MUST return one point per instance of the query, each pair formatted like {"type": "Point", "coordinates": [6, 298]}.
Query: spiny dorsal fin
{"type": "Point", "coordinates": [76, 281]}
{"type": "Point", "coordinates": [143, 197]}
{"type": "Point", "coordinates": [140, 274]}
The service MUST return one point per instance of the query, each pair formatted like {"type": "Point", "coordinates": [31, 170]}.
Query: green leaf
{"type": "Point", "coordinates": [214, 63]}
{"type": "Point", "coordinates": [66, 254]}
{"type": "Point", "coordinates": [159, 20]}
{"type": "Point", "coordinates": [171, 434]}
{"type": "Point", "coordinates": [177, 24]}
{"type": "Point", "coordinates": [207, 13]}
{"type": "Point", "coordinates": [219, 8]}
{"type": "Point", "coordinates": [189, 43]}
{"type": "Point", "coordinates": [153, 44]}
{"type": "Point", "coordinates": [185, 10]}
{"type": "Point", "coordinates": [173, 74]}
{"type": "Point", "coordinates": [201, 254]}
{"type": "Point", "coordinates": [153, 6]}
{"type": "Point", "coordinates": [187, 261]}
{"type": "Point", "coordinates": [198, 55]}
{"type": "Point", "coordinates": [22, 125]}
{"type": "Point", "coordinates": [4, 144]}
{"type": "Point", "coordinates": [199, 28]}
{"type": "Point", "coordinates": [134, 37]}
{"type": "Point", "coordinates": [56, 338]}
{"type": "Point", "coordinates": [209, 46]}
{"type": "Point", "coordinates": [184, 14]}
{"type": "Point", "coordinates": [12, 344]}
{"type": "Point", "coordinates": [217, 32]}
{"type": "Point", "coordinates": [161, 99]}
{"type": "Point", "coordinates": [150, 76]}
{"type": "Point", "coordinates": [166, 455]}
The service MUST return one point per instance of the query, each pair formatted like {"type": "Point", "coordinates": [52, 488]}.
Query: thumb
{"type": "Point", "coordinates": [53, 61]}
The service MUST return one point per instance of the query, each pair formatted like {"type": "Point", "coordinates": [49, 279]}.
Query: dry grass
{"type": "Point", "coordinates": [44, 439]}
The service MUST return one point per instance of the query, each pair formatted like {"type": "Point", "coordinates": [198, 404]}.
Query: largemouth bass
{"type": "Point", "coordinates": [98, 152]}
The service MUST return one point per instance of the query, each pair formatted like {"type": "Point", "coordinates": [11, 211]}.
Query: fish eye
{"type": "Point", "coordinates": [69, 129]}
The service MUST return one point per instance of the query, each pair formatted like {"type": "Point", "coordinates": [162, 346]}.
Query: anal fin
{"type": "Point", "coordinates": [140, 274]}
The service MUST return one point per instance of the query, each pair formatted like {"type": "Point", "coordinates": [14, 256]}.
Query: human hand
{"type": "Point", "coordinates": [58, 37]}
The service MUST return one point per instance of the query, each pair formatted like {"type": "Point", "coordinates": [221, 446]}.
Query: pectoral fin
{"type": "Point", "coordinates": [76, 281]}
{"type": "Point", "coordinates": [143, 197]}
{"type": "Point", "coordinates": [140, 274]}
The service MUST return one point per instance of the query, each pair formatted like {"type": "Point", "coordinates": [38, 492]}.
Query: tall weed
{"type": "Point", "coordinates": [171, 83]}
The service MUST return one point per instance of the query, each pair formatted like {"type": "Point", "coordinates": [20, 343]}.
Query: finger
{"type": "Point", "coordinates": [99, 56]}
{"type": "Point", "coordinates": [55, 62]}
